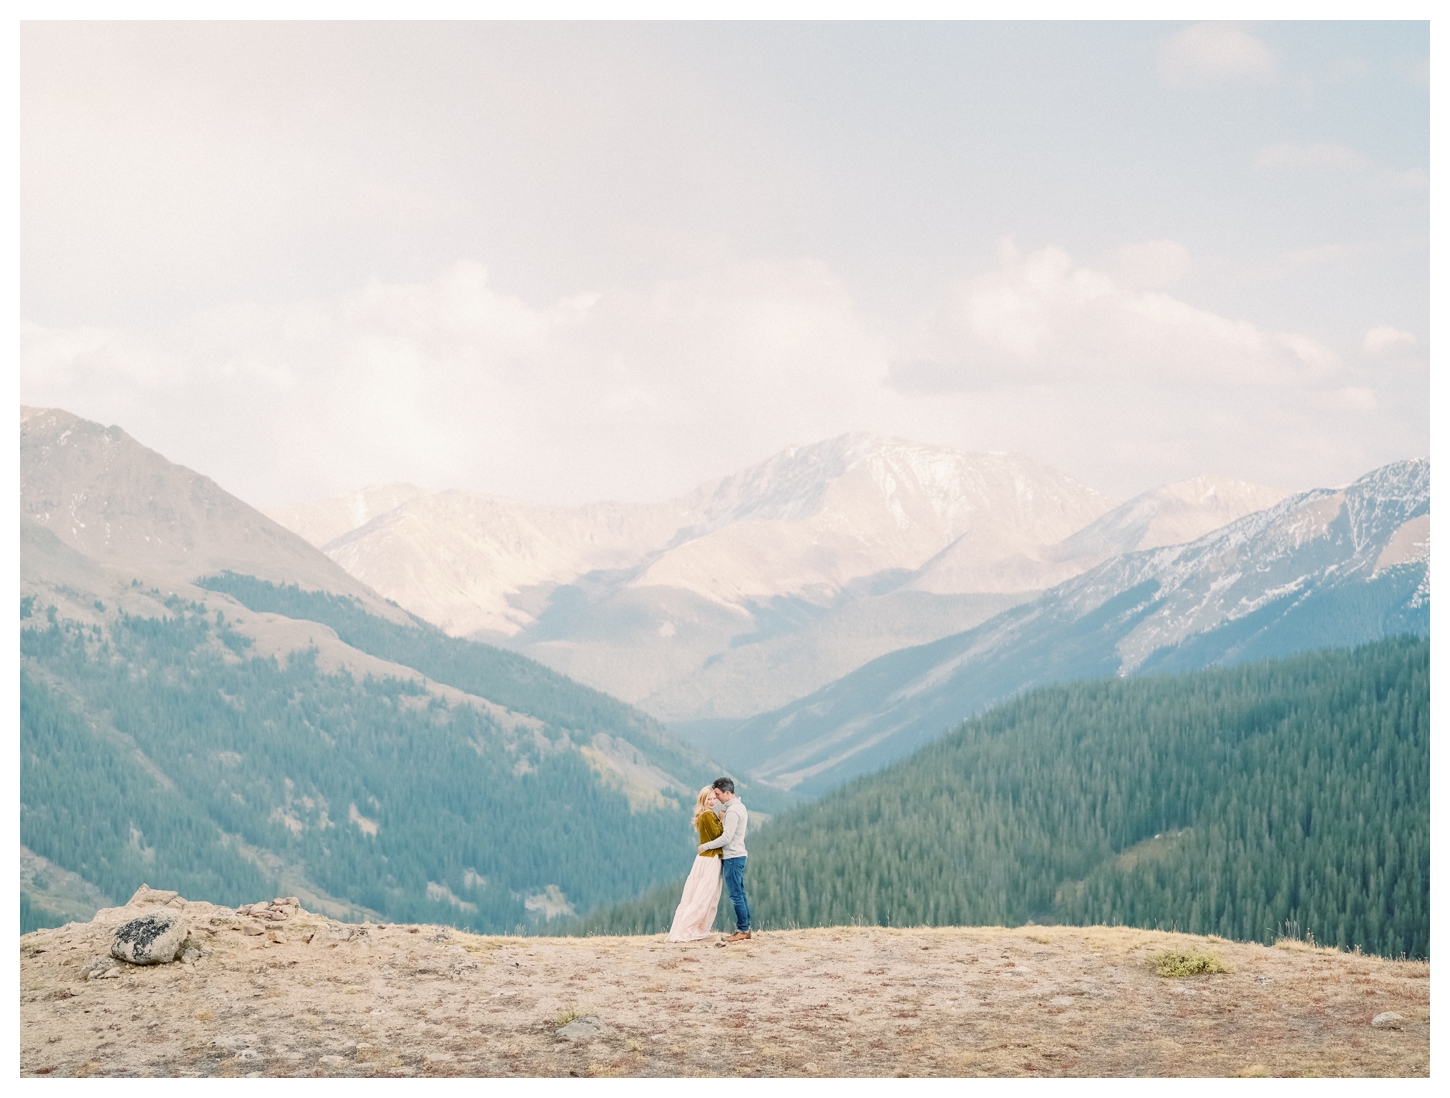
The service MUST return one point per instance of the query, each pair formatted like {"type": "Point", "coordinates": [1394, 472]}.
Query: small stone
{"type": "Point", "coordinates": [274, 935]}
{"type": "Point", "coordinates": [146, 896]}
{"type": "Point", "coordinates": [1060, 1001]}
{"type": "Point", "coordinates": [1388, 1020]}
{"type": "Point", "coordinates": [153, 939]}
{"type": "Point", "coordinates": [251, 926]}
{"type": "Point", "coordinates": [582, 1029]}
{"type": "Point", "coordinates": [330, 1061]}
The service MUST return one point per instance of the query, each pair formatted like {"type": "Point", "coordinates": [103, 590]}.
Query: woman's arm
{"type": "Point", "coordinates": [708, 827]}
{"type": "Point", "coordinates": [727, 832]}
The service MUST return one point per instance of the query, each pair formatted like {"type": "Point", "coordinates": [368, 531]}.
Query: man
{"type": "Point", "coordinates": [731, 845]}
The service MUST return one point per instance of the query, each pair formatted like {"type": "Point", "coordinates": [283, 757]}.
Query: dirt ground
{"type": "Point", "coordinates": [332, 999]}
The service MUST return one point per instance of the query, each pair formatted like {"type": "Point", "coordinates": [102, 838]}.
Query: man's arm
{"type": "Point", "coordinates": [732, 824]}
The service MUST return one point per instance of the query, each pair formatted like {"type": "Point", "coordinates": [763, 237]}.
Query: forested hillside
{"type": "Point", "coordinates": [1284, 795]}
{"type": "Point", "coordinates": [511, 680]}
{"type": "Point", "coordinates": [161, 749]}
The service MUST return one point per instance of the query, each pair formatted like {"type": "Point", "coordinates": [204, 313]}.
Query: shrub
{"type": "Point", "coordinates": [1185, 962]}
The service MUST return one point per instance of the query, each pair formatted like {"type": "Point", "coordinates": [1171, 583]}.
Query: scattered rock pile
{"type": "Point", "coordinates": [158, 927]}
{"type": "Point", "coordinates": [272, 911]}
{"type": "Point", "coordinates": [267, 916]}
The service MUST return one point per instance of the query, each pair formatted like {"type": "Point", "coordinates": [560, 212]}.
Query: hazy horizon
{"type": "Point", "coordinates": [573, 262]}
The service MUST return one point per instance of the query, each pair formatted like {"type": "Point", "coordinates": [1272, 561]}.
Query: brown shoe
{"type": "Point", "coordinates": [739, 936]}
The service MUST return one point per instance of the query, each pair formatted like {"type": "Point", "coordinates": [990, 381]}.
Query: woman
{"type": "Point", "coordinates": [696, 913]}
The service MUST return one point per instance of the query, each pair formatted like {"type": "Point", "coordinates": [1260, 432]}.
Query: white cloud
{"type": "Point", "coordinates": [1384, 341]}
{"type": "Point", "coordinates": [1209, 53]}
{"type": "Point", "coordinates": [1310, 155]}
{"type": "Point", "coordinates": [1043, 318]}
{"type": "Point", "coordinates": [1350, 398]}
{"type": "Point", "coordinates": [454, 384]}
{"type": "Point", "coordinates": [1150, 265]}
{"type": "Point", "coordinates": [643, 393]}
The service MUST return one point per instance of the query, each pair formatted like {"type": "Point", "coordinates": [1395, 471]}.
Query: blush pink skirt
{"type": "Point", "coordinates": [695, 917]}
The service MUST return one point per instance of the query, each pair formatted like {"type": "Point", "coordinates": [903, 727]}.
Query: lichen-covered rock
{"type": "Point", "coordinates": [1388, 1020]}
{"type": "Point", "coordinates": [153, 939]}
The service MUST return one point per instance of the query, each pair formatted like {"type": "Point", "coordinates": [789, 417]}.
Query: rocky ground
{"type": "Point", "coordinates": [277, 991]}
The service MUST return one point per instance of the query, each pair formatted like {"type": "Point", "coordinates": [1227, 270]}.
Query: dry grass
{"type": "Point", "coordinates": [831, 1002]}
{"type": "Point", "coordinates": [568, 1014]}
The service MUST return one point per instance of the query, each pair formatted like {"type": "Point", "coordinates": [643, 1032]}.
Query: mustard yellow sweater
{"type": "Point", "coordinates": [709, 827]}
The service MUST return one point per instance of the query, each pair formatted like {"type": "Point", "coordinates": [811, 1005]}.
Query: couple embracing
{"type": "Point", "coordinates": [720, 819]}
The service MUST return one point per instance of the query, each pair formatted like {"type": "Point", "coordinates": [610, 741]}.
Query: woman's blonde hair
{"type": "Point", "coordinates": [702, 802]}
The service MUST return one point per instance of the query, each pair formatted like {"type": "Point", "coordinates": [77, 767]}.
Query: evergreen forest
{"type": "Point", "coordinates": [163, 750]}
{"type": "Point", "coordinates": [1286, 796]}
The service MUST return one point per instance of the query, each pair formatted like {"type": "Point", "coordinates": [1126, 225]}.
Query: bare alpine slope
{"type": "Point", "coordinates": [1324, 567]}
{"type": "Point", "coordinates": [806, 523]}
{"type": "Point", "coordinates": [122, 507]}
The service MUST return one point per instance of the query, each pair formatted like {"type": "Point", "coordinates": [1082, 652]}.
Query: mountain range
{"type": "Point", "coordinates": [209, 701]}
{"type": "Point", "coordinates": [1324, 567]}
{"type": "Point", "coordinates": [757, 588]}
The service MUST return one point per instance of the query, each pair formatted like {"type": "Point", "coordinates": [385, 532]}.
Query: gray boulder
{"type": "Point", "coordinates": [582, 1029]}
{"type": "Point", "coordinates": [1388, 1020]}
{"type": "Point", "coordinates": [153, 939]}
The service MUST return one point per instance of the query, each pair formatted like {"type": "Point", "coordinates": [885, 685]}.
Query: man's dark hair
{"type": "Point", "coordinates": [725, 785]}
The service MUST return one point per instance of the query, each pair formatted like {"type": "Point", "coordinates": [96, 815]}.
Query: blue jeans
{"type": "Point", "coordinates": [734, 870]}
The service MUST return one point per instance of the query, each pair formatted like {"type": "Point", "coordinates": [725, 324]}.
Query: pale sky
{"type": "Point", "coordinates": [568, 262]}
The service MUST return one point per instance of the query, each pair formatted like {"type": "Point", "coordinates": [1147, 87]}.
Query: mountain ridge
{"type": "Point", "coordinates": [1303, 556]}
{"type": "Point", "coordinates": [757, 588]}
